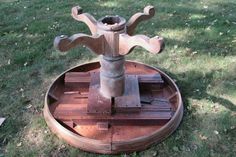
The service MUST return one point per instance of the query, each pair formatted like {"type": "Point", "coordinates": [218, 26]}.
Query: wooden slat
{"type": "Point", "coordinates": [68, 112]}
{"type": "Point", "coordinates": [73, 99]}
{"type": "Point", "coordinates": [77, 77]}
{"type": "Point", "coordinates": [85, 77]}
{"type": "Point", "coordinates": [130, 100]}
{"type": "Point", "coordinates": [77, 81]}
{"type": "Point", "coordinates": [152, 108]}
{"type": "Point", "coordinates": [152, 78]}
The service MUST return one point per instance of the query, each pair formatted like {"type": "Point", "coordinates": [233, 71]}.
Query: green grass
{"type": "Point", "coordinates": [200, 55]}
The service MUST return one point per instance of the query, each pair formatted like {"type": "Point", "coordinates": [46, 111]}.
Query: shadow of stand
{"type": "Point", "coordinates": [194, 85]}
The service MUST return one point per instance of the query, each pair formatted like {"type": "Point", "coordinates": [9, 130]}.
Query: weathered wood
{"type": "Point", "coordinates": [90, 21]}
{"type": "Point", "coordinates": [152, 78]}
{"type": "Point", "coordinates": [97, 103]}
{"type": "Point", "coordinates": [118, 132]}
{"type": "Point", "coordinates": [64, 43]}
{"type": "Point", "coordinates": [115, 106]}
{"type": "Point", "coordinates": [77, 77]}
{"type": "Point", "coordinates": [104, 126]}
{"type": "Point", "coordinates": [148, 12]}
{"type": "Point", "coordinates": [111, 38]}
{"type": "Point", "coordinates": [84, 77]}
{"type": "Point", "coordinates": [78, 113]}
{"type": "Point", "coordinates": [130, 100]}
{"type": "Point", "coordinates": [127, 43]}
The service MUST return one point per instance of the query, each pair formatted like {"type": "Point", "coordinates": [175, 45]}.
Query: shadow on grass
{"type": "Point", "coordinates": [172, 15]}
{"type": "Point", "coordinates": [179, 17]}
{"type": "Point", "coordinates": [194, 85]}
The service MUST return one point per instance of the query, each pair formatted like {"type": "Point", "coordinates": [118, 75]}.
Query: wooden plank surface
{"type": "Point", "coordinates": [130, 100]}
{"type": "Point", "coordinates": [97, 104]}
{"type": "Point", "coordinates": [85, 77]}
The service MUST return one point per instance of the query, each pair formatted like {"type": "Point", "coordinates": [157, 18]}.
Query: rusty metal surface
{"type": "Point", "coordinates": [160, 113]}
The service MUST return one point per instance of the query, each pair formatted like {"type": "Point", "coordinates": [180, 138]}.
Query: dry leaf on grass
{"type": "Point", "coordinates": [19, 144]}
{"type": "Point", "coordinates": [2, 120]}
{"type": "Point", "coordinates": [202, 137]}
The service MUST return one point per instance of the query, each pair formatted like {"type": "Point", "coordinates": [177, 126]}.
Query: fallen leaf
{"type": "Point", "coordinates": [28, 106]}
{"type": "Point", "coordinates": [155, 153]}
{"type": "Point", "coordinates": [227, 21]}
{"type": "Point", "coordinates": [9, 62]}
{"type": "Point", "coordinates": [194, 52]}
{"type": "Point", "coordinates": [2, 120]}
{"type": "Point", "coordinates": [216, 132]}
{"type": "Point", "coordinates": [202, 137]}
{"type": "Point", "coordinates": [176, 46]}
{"type": "Point", "coordinates": [19, 144]}
{"type": "Point", "coordinates": [208, 28]}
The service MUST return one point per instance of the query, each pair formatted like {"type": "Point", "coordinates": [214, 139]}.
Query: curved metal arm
{"type": "Point", "coordinates": [148, 12]}
{"type": "Point", "coordinates": [127, 43]}
{"type": "Point", "coordinates": [89, 20]}
{"type": "Point", "coordinates": [63, 43]}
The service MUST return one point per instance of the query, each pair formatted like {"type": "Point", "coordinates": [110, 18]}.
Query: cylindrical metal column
{"type": "Point", "coordinates": [112, 78]}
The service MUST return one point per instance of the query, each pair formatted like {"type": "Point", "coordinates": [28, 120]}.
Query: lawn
{"type": "Point", "coordinates": [200, 54]}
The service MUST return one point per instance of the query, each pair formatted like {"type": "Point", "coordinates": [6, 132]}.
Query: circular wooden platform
{"type": "Point", "coordinates": [66, 102]}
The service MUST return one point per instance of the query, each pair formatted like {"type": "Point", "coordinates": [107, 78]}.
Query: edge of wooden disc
{"type": "Point", "coordinates": [96, 146]}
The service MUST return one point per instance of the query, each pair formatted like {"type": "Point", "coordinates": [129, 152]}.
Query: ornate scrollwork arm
{"type": "Point", "coordinates": [148, 12]}
{"type": "Point", "coordinates": [64, 43]}
{"type": "Point", "coordinates": [89, 20]}
{"type": "Point", "coordinates": [127, 43]}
